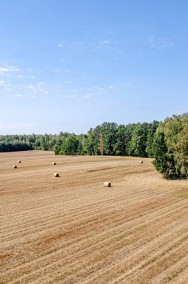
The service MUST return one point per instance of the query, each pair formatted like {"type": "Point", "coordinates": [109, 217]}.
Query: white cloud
{"type": "Point", "coordinates": [17, 84]}
{"type": "Point", "coordinates": [9, 69]}
{"type": "Point", "coordinates": [60, 45]}
{"type": "Point", "coordinates": [20, 76]}
{"type": "Point", "coordinates": [99, 88]}
{"type": "Point", "coordinates": [9, 88]}
{"type": "Point", "coordinates": [80, 96]}
{"type": "Point", "coordinates": [38, 87]}
{"type": "Point", "coordinates": [41, 83]}
{"type": "Point", "coordinates": [31, 87]}
{"type": "Point", "coordinates": [57, 70]}
{"type": "Point", "coordinates": [159, 42]}
{"type": "Point", "coordinates": [105, 43]}
{"type": "Point", "coordinates": [88, 96]}
{"type": "Point", "coordinates": [18, 95]}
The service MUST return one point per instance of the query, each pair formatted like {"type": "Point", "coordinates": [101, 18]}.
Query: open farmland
{"type": "Point", "coordinates": [72, 229]}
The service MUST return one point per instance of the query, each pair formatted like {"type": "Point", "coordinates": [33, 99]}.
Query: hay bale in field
{"type": "Point", "coordinates": [19, 162]}
{"type": "Point", "coordinates": [107, 184]}
{"type": "Point", "coordinates": [54, 163]}
{"type": "Point", "coordinates": [14, 166]}
{"type": "Point", "coordinates": [141, 162]}
{"type": "Point", "coordinates": [56, 175]}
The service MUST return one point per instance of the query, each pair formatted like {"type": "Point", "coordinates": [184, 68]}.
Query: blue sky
{"type": "Point", "coordinates": [69, 65]}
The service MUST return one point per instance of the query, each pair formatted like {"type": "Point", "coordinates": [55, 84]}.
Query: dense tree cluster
{"type": "Point", "coordinates": [166, 141]}
{"type": "Point", "coordinates": [170, 147]}
{"type": "Point", "coordinates": [106, 139]}
{"type": "Point", "coordinates": [11, 143]}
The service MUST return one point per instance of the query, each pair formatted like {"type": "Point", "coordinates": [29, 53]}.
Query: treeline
{"type": "Point", "coordinates": [166, 142]}
{"type": "Point", "coordinates": [110, 139]}
{"type": "Point", "coordinates": [10, 143]}
{"type": "Point", "coordinates": [106, 139]}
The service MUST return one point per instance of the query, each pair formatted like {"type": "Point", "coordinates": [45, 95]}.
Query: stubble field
{"type": "Point", "coordinates": [72, 229]}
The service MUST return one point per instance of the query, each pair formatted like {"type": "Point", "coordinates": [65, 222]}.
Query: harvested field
{"type": "Point", "coordinates": [74, 230]}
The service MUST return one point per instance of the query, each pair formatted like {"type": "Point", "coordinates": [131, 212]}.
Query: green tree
{"type": "Point", "coordinates": [138, 140]}
{"type": "Point", "coordinates": [150, 137]}
{"type": "Point", "coordinates": [108, 138]}
{"type": "Point", "coordinates": [171, 147]}
{"type": "Point", "coordinates": [120, 145]}
{"type": "Point", "coordinates": [70, 145]}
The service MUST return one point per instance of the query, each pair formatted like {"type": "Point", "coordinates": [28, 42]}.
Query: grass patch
{"type": "Point", "coordinates": [185, 195]}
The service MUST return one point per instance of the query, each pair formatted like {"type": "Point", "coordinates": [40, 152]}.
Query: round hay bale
{"type": "Point", "coordinates": [107, 184]}
{"type": "Point", "coordinates": [56, 175]}
{"type": "Point", "coordinates": [141, 162]}
{"type": "Point", "coordinates": [19, 162]}
{"type": "Point", "coordinates": [14, 166]}
{"type": "Point", "coordinates": [54, 163]}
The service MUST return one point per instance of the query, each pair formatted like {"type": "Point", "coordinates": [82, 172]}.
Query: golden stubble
{"type": "Point", "coordinates": [72, 229]}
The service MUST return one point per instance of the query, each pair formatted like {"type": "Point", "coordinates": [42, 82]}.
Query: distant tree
{"type": "Point", "coordinates": [92, 143]}
{"type": "Point", "coordinates": [150, 137]}
{"type": "Point", "coordinates": [70, 145]}
{"type": "Point", "coordinates": [138, 140]}
{"type": "Point", "coordinates": [82, 146]}
{"type": "Point", "coordinates": [108, 138]}
{"type": "Point", "coordinates": [120, 144]}
{"type": "Point", "coordinates": [160, 150]}
{"type": "Point", "coordinates": [129, 130]}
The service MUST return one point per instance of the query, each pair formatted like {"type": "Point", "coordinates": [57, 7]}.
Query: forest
{"type": "Point", "coordinates": [166, 142]}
